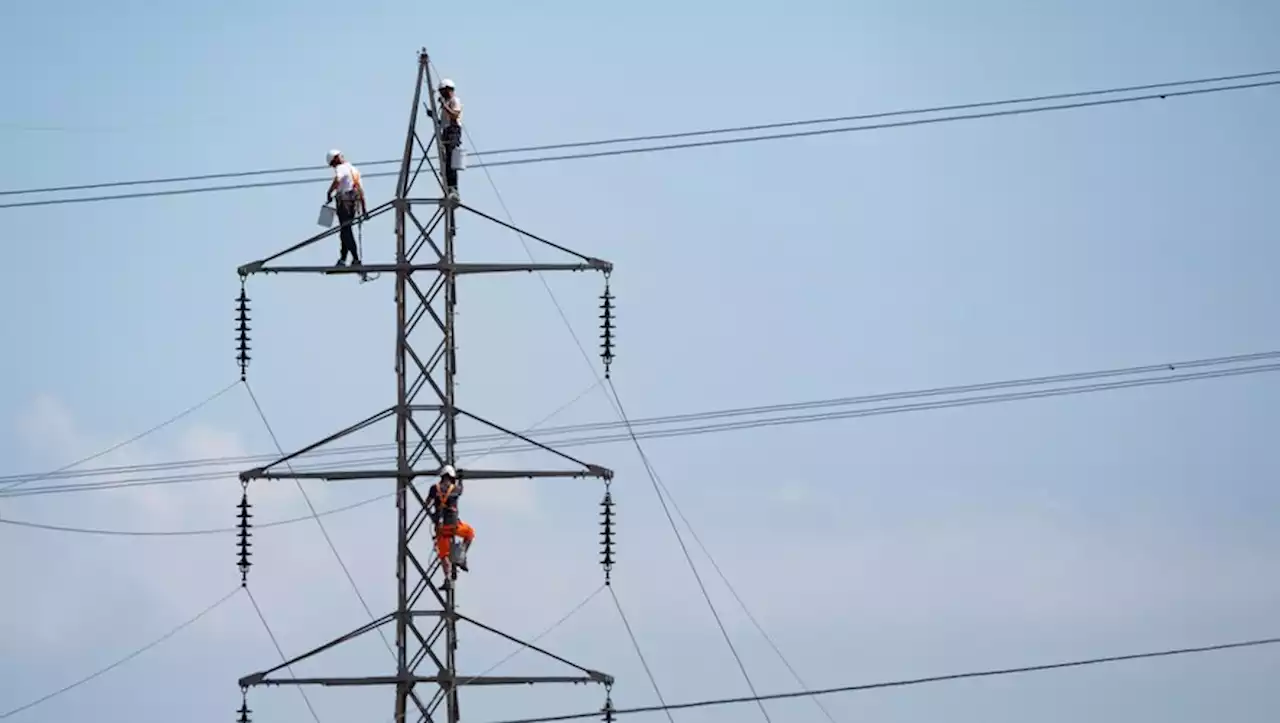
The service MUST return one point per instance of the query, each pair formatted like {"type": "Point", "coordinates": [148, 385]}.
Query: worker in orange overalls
{"type": "Point", "coordinates": [442, 506]}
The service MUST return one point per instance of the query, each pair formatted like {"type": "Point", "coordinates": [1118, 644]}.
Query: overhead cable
{"type": "Point", "coordinates": [657, 484]}
{"type": "Point", "coordinates": [102, 671]}
{"type": "Point", "coordinates": [664, 420]}
{"type": "Point", "coordinates": [221, 461]}
{"type": "Point", "coordinates": [315, 515]}
{"type": "Point", "coordinates": [564, 318]}
{"type": "Point", "coordinates": [698, 429]}
{"type": "Point", "coordinates": [666, 136]}
{"type": "Point", "coordinates": [534, 640]}
{"type": "Point", "coordinates": [912, 681]}
{"type": "Point", "coordinates": [644, 662]}
{"type": "Point", "coordinates": [645, 149]}
{"type": "Point", "coordinates": [15, 483]}
{"type": "Point", "coordinates": [795, 675]}
{"type": "Point", "coordinates": [275, 642]}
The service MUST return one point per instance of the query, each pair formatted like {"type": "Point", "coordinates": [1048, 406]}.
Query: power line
{"type": "Point", "coordinates": [188, 533]}
{"type": "Point", "coordinates": [125, 659]}
{"type": "Point", "coordinates": [284, 658]}
{"type": "Point", "coordinates": [316, 516]}
{"type": "Point", "coordinates": [691, 430]}
{"type": "Point", "coordinates": [657, 485]}
{"type": "Point", "coordinates": [292, 520]}
{"type": "Point", "coordinates": [667, 136]}
{"type": "Point", "coordinates": [184, 413]}
{"type": "Point", "coordinates": [644, 663]}
{"type": "Point", "coordinates": [684, 417]}
{"type": "Point", "coordinates": [629, 151]}
{"type": "Point", "coordinates": [552, 628]}
{"type": "Point", "coordinates": [912, 681]}
{"type": "Point", "coordinates": [323, 452]}
{"type": "Point", "coordinates": [564, 318]}
{"type": "Point", "coordinates": [742, 603]}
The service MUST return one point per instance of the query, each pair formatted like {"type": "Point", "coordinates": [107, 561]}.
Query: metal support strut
{"type": "Point", "coordinates": [425, 678]}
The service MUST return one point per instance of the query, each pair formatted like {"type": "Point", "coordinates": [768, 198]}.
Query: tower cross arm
{"type": "Point", "coordinates": [590, 471]}
{"type": "Point", "coordinates": [373, 680]}
{"type": "Point", "coordinates": [260, 267]}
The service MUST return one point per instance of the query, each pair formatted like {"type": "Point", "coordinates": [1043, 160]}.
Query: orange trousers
{"type": "Point", "coordinates": [444, 537]}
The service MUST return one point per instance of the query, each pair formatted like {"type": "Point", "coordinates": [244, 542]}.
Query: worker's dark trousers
{"type": "Point", "coordinates": [346, 208]}
{"type": "Point", "coordinates": [451, 138]}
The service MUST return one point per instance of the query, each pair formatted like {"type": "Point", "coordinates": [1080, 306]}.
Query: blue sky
{"type": "Point", "coordinates": [895, 546]}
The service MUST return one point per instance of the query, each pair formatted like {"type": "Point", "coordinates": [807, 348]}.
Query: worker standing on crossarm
{"type": "Point", "coordinates": [450, 131]}
{"type": "Point", "coordinates": [442, 506]}
{"type": "Point", "coordinates": [349, 192]}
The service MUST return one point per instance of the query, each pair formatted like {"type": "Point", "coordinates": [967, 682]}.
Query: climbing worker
{"type": "Point", "coordinates": [450, 131]}
{"type": "Point", "coordinates": [442, 506]}
{"type": "Point", "coordinates": [348, 189]}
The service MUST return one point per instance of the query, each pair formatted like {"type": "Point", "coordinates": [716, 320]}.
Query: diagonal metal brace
{"type": "Point", "coordinates": [595, 675]}
{"type": "Point", "coordinates": [262, 472]}
{"type": "Point", "coordinates": [261, 678]}
{"type": "Point", "coordinates": [256, 267]}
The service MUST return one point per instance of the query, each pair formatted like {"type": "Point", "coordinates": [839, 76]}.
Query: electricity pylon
{"type": "Point", "coordinates": [422, 428]}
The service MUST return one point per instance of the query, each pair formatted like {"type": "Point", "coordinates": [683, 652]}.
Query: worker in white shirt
{"type": "Point", "coordinates": [450, 130]}
{"type": "Point", "coordinates": [349, 192]}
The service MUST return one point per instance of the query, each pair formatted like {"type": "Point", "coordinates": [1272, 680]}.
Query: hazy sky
{"type": "Point", "coordinates": [895, 546]}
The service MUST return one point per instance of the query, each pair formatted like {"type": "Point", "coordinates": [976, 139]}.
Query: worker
{"type": "Point", "coordinates": [349, 191]}
{"type": "Point", "coordinates": [442, 506]}
{"type": "Point", "coordinates": [450, 131]}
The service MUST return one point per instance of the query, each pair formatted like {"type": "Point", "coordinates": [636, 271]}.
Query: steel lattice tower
{"type": "Point", "coordinates": [425, 431]}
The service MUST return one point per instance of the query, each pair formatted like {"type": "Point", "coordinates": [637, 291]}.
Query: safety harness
{"type": "Point", "coordinates": [443, 496]}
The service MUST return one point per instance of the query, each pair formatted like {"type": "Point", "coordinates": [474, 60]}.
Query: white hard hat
{"type": "Point", "coordinates": [328, 157]}
{"type": "Point", "coordinates": [448, 471]}
{"type": "Point", "coordinates": [446, 83]}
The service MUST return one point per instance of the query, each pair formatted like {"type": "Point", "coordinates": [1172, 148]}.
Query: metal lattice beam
{"type": "Point", "coordinates": [426, 416]}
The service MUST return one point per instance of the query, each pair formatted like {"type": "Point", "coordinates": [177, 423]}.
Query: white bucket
{"type": "Point", "coordinates": [458, 159]}
{"type": "Point", "coordinates": [327, 214]}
